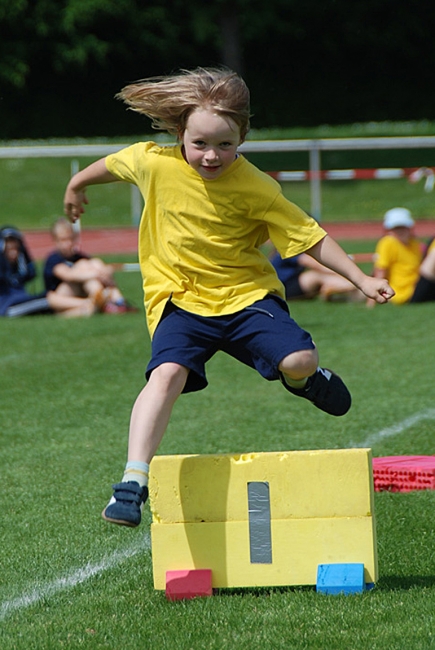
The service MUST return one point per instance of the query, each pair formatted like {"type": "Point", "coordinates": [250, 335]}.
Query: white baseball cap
{"type": "Point", "coordinates": [397, 217]}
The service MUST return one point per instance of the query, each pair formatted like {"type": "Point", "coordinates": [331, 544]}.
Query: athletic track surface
{"type": "Point", "coordinates": [113, 241]}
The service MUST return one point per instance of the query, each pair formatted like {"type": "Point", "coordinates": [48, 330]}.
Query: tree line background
{"type": "Point", "coordinates": [307, 62]}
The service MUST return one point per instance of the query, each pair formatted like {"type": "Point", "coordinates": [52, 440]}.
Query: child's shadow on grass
{"type": "Point", "coordinates": [387, 583]}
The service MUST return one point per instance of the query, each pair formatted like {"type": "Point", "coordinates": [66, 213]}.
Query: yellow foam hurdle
{"type": "Point", "coordinates": [262, 519]}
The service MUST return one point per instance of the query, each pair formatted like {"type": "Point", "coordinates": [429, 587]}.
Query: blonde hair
{"type": "Point", "coordinates": [168, 101]}
{"type": "Point", "coordinates": [61, 222]}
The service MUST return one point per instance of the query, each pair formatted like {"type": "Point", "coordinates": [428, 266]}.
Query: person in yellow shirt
{"type": "Point", "coordinates": [207, 286]}
{"type": "Point", "coordinates": [399, 257]}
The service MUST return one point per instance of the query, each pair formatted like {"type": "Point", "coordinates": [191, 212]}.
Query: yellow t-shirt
{"type": "Point", "coordinates": [199, 239]}
{"type": "Point", "coordinates": [401, 264]}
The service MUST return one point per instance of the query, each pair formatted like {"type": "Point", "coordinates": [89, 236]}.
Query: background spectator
{"type": "Point", "coordinates": [403, 261]}
{"type": "Point", "coordinates": [17, 269]}
{"type": "Point", "coordinates": [72, 274]}
{"type": "Point", "coordinates": [303, 277]}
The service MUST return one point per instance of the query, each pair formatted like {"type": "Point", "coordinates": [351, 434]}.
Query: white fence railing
{"type": "Point", "coordinates": [313, 147]}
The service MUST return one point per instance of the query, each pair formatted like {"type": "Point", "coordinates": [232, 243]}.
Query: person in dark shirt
{"type": "Point", "coordinates": [70, 273]}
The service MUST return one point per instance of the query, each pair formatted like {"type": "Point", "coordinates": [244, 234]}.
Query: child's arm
{"type": "Point", "coordinates": [329, 253]}
{"type": "Point", "coordinates": [75, 194]}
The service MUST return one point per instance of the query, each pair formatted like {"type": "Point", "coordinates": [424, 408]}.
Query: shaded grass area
{"type": "Point", "coordinates": [70, 580]}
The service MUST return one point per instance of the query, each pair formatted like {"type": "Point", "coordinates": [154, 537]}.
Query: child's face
{"type": "Point", "coordinates": [402, 233]}
{"type": "Point", "coordinates": [210, 143]}
{"type": "Point", "coordinates": [12, 250]}
{"type": "Point", "coordinates": [65, 239]}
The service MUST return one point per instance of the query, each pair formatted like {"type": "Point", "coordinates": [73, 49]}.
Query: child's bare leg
{"type": "Point", "coordinates": [70, 306]}
{"type": "Point", "coordinates": [92, 287]}
{"type": "Point", "coordinates": [152, 410]}
{"type": "Point", "coordinates": [115, 295]}
{"type": "Point", "coordinates": [92, 281]}
{"type": "Point", "coordinates": [96, 269]}
{"type": "Point", "coordinates": [100, 284]}
{"type": "Point", "coordinates": [105, 273]}
{"type": "Point", "coordinates": [70, 289]}
{"type": "Point", "coordinates": [102, 293]}
{"type": "Point", "coordinates": [334, 283]}
{"type": "Point", "coordinates": [102, 270]}
{"type": "Point", "coordinates": [427, 268]}
{"type": "Point", "coordinates": [310, 282]}
{"type": "Point", "coordinates": [148, 423]}
{"type": "Point", "coordinates": [84, 310]}
{"type": "Point", "coordinates": [425, 288]}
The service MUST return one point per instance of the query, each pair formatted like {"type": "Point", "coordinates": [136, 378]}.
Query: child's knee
{"type": "Point", "coordinates": [170, 376]}
{"type": "Point", "coordinates": [300, 364]}
{"type": "Point", "coordinates": [83, 264]}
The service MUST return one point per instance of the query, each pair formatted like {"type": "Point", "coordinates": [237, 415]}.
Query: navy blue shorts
{"type": "Point", "coordinates": [259, 336]}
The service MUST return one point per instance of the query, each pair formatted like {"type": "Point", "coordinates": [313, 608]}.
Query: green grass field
{"type": "Point", "coordinates": [31, 190]}
{"type": "Point", "coordinates": [36, 203]}
{"type": "Point", "coordinates": [70, 580]}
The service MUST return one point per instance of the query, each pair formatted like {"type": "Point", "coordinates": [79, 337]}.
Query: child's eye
{"type": "Point", "coordinates": [199, 143]}
{"type": "Point", "coordinates": [226, 144]}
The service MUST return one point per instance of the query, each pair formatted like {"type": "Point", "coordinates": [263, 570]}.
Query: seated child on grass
{"type": "Point", "coordinates": [304, 278]}
{"type": "Point", "coordinates": [70, 273]}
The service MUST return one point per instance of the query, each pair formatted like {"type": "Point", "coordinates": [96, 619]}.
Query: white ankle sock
{"type": "Point", "coordinates": [137, 471]}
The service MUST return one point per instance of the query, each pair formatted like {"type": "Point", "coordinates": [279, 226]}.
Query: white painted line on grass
{"type": "Point", "coordinates": [394, 430]}
{"type": "Point", "coordinates": [72, 580]}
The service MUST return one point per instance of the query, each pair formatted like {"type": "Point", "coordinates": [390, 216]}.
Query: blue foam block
{"type": "Point", "coordinates": [340, 578]}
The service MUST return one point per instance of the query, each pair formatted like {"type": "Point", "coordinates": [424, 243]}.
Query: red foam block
{"type": "Point", "coordinates": [189, 583]}
{"type": "Point", "coordinates": [404, 473]}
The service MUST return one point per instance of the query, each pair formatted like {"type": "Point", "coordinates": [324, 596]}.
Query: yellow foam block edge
{"type": "Point", "coordinates": [320, 483]}
{"type": "Point", "coordinates": [298, 547]}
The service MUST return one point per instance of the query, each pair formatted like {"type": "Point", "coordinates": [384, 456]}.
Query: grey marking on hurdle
{"type": "Point", "coordinates": [260, 539]}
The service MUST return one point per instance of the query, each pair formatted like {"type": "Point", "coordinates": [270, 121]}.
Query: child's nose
{"type": "Point", "coordinates": [211, 154]}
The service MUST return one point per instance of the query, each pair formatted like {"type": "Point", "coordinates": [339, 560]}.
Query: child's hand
{"type": "Point", "coordinates": [75, 195]}
{"type": "Point", "coordinates": [377, 289]}
{"type": "Point", "coordinates": [73, 203]}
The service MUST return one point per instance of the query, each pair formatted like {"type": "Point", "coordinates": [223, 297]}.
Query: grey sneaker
{"type": "Point", "coordinates": [125, 507]}
{"type": "Point", "coordinates": [326, 390]}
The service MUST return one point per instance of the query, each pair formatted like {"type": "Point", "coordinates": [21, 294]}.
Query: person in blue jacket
{"type": "Point", "coordinates": [17, 269]}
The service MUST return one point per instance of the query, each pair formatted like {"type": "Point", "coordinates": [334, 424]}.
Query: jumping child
{"type": "Point", "coordinates": [207, 285]}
